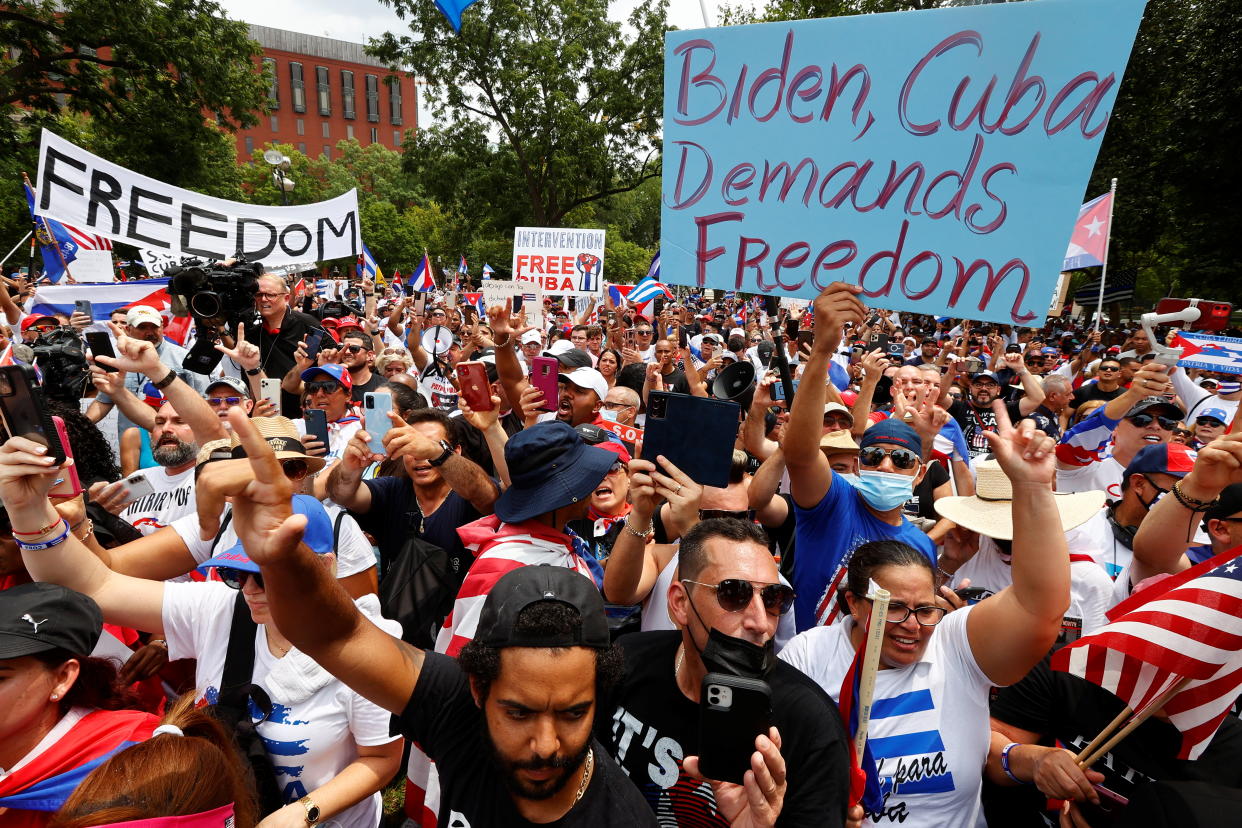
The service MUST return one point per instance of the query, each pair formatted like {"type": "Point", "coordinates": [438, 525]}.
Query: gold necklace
{"type": "Point", "coordinates": [586, 775]}
{"type": "Point", "coordinates": [681, 657]}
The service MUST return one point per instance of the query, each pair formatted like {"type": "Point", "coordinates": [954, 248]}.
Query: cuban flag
{"type": "Point", "coordinates": [461, 266]}
{"type": "Point", "coordinates": [487, 271]}
{"type": "Point", "coordinates": [422, 278]}
{"type": "Point", "coordinates": [647, 290]}
{"type": "Point", "coordinates": [396, 281]}
{"type": "Point", "coordinates": [367, 266]}
{"type": "Point", "coordinates": [1088, 245]}
{"type": "Point", "coordinates": [105, 297]}
{"type": "Point", "coordinates": [653, 270]}
{"type": "Point", "coordinates": [476, 299]}
{"type": "Point", "coordinates": [55, 240]}
{"type": "Point", "coordinates": [619, 293]}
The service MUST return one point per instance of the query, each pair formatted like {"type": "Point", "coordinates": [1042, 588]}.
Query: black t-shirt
{"type": "Point", "coordinates": [649, 726]}
{"type": "Point", "coordinates": [920, 504]}
{"type": "Point", "coordinates": [442, 717]}
{"type": "Point", "coordinates": [1089, 391]}
{"type": "Point", "coordinates": [676, 382]}
{"type": "Point", "coordinates": [394, 512]}
{"type": "Point", "coordinates": [370, 385]}
{"type": "Point", "coordinates": [1070, 711]}
{"type": "Point", "coordinates": [974, 422]}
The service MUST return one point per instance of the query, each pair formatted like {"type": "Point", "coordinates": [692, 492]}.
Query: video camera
{"type": "Point", "coordinates": [211, 291]}
{"type": "Point", "coordinates": [61, 358]}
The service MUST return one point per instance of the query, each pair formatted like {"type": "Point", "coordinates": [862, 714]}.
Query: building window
{"type": "Point", "coordinates": [374, 134]}
{"type": "Point", "coordinates": [298, 85]}
{"type": "Point", "coordinates": [302, 147]}
{"type": "Point", "coordinates": [396, 137]}
{"type": "Point", "coordinates": [347, 93]}
{"type": "Point", "coordinates": [372, 82]}
{"type": "Point", "coordinates": [327, 152]}
{"type": "Point", "coordinates": [394, 100]}
{"type": "Point", "coordinates": [301, 126]}
{"type": "Point", "coordinates": [327, 130]}
{"type": "Point", "coordinates": [273, 83]}
{"type": "Point", "coordinates": [321, 87]}
{"type": "Point", "coordinates": [349, 131]}
{"type": "Point", "coordinates": [275, 124]}
{"type": "Point", "coordinates": [249, 145]}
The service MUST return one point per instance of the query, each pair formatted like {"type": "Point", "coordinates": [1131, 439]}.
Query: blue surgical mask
{"type": "Point", "coordinates": [884, 491]}
{"type": "Point", "coordinates": [608, 414]}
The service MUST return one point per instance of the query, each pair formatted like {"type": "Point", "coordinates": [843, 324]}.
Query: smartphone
{"type": "Point", "coordinates": [732, 712]}
{"type": "Point", "coordinates": [806, 338]}
{"type": "Point", "coordinates": [308, 304]}
{"type": "Point", "coordinates": [895, 350]}
{"type": "Point", "coordinates": [269, 389]}
{"type": "Point", "coordinates": [877, 342]}
{"type": "Point", "coordinates": [84, 306]}
{"type": "Point", "coordinates": [137, 487]}
{"type": "Point", "coordinates": [69, 485]}
{"type": "Point", "coordinates": [695, 434]}
{"type": "Point", "coordinates": [101, 345]}
{"type": "Point", "coordinates": [24, 411]}
{"type": "Point", "coordinates": [973, 595]}
{"type": "Point", "coordinates": [409, 289]}
{"type": "Point", "coordinates": [631, 338]}
{"type": "Point", "coordinates": [682, 337]}
{"type": "Point", "coordinates": [517, 303]}
{"type": "Point", "coordinates": [543, 375]}
{"type": "Point", "coordinates": [313, 342]}
{"type": "Point", "coordinates": [316, 421]}
{"type": "Point", "coordinates": [375, 406]}
{"type": "Point", "coordinates": [791, 328]}
{"type": "Point", "coordinates": [473, 384]}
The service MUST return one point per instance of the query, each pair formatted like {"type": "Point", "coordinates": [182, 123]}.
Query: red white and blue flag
{"type": "Point", "coordinates": [1089, 242]}
{"type": "Point", "coordinates": [864, 776]}
{"type": "Point", "coordinates": [476, 300]}
{"type": "Point", "coordinates": [461, 266]}
{"type": "Point", "coordinates": [1188, 626]}
{"type": "Point", "coordinates": [421, 278]}
{"type": "Point", "coordinates": [619, 293]}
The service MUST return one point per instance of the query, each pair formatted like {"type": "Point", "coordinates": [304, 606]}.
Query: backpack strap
{"type": "Point", "coordinates": [239, 658]}
{"type": "Point", "coordinates": [224, 524]}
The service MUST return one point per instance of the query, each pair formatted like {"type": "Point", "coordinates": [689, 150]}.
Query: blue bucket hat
{"type": "Point", "coordinates": [550, 467]}
{"type": "Point", "coordinates": [894, 432]}
{"type": "Point", "coordinates": [318, 536]}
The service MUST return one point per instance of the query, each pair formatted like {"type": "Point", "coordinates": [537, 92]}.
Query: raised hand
{"type": "Point", "coordinates": [26, 473]}
{"type": "Point", "coordinates": [108, 382]}
{"type": "Point", "coordinates": [759, 799]}
{"type": "Point", "coordinates": [134, 355]}
{"type": "Point", "coordinates": [246, 354]}
{"type": "Point", "coordinates": [1024, 453]}
{"type": "Point", "coordinates": [404, 440]}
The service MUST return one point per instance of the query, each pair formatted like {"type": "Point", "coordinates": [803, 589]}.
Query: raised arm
{"type": "Point", "coordinates": [1034, 396]}
{"type": "Point", "coordinates": [630, 572]}
{"type": "Point", "coordinates": [507, 331]}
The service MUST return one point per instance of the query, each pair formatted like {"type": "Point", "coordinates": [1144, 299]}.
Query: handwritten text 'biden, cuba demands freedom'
{"type": "Point", "coordinates": [971, 190]}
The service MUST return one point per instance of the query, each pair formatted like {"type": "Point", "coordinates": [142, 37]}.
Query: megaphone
{"type": "Point", "coordinates": [437, 340]}
{"type": "Point", "coordinates": [736, 383]}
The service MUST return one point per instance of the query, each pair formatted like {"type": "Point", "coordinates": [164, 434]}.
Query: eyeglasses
{"type": "Point", "coordinates": [264, 295]}
{"type": "Point", "coordinates": [898, 613]}
{"type": "Point", "coordinates": [217, 401]}
{"type": "Point", "coordinates": [735, 594]}
{"type": "Point", "coordinates": [613, 406]}
{"type": "Point", "coordinates": [326, 386]}
{"type": "Point", "coordinates": [838, 420]}
{"type": "Point", "coordinates": [1144, 420]}
{"type": "Point", "coordinates": [236, 578]}
{"type": "Point", "coordinates": [642, 332]}
{"type": "Point", "coordinates": [902, 458]}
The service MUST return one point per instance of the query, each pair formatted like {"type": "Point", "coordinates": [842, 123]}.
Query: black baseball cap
{"type": "Point", "coordinates": [527, 585]}
{"type": "Point", "coordinates": [1155, 402]}
{"type": "Point", "coordinates": [38, 617]}
{"type": "Point", "coordinates": [1228, 504]}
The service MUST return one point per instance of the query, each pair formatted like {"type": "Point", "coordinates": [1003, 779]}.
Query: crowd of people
{"type": "Point", "coordinates": [267, 604]}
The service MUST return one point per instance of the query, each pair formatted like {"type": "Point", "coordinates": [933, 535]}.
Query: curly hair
{"type": "Point", "coordinates": [92, 455]}
{"type": "Point", "coordinates": [98, 684]}
{"type": "Point", "coordinates": [542, 618]}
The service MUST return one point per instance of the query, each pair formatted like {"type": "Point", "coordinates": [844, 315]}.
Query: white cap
{"type": "Point", "coordinates": [589, 379]}
{"type": "Point", "coordinates": [532, 335]}
{"type": "Point", "coordinates": [738, 332]}
{"type": "Point", "coordinates": [727, 354]}
{"type": "Point", "coordinates": [559, 347]}
{"type": "Point", "coordinates": [139, 314]}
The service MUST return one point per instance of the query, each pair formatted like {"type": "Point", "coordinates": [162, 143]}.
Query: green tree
{"type": "Point", "coordinates": [570, 103]}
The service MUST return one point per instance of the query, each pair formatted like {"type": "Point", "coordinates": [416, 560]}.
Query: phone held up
{"type": "Point", "coordinates": [24, 410]}
{"type": "Point", "coordinates": [732, 712]}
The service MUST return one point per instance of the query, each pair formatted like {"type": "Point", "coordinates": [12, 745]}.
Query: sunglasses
{"type": "Point", "coordinates": [735, 595]}
{"type": "Point", "coordinates": [326, 386]}
{"type": "Point", "coordinates": [902, 458]}
{"type": "Point", "coordinates": [839, 420]}
{"type": "Point", "coordinates": [1109, 368]}
{"type": "Point", "coordinates": [353, 349]}
{"type": "Point", "coordinates": [294, 469]}
{"type": "Point", "coordinates": [644, 333]}
{"type": "Point", "coordinates": [1144, 420]}
{"type": "Point", "coordinates": [224, 400]}
{"type": "Point", "coordinates": [236, 578]}
{"type": "Point", "coordinates": [1211, 422]}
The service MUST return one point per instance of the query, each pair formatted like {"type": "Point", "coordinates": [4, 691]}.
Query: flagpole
{"type": "Point", "coordinates": [870, 666]}
{"type": "Point", "coordinates": [1099, 305]}
{"type": "Point", "coordinates": [17, 246]}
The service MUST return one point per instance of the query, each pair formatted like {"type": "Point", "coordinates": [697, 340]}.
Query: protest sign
{"type": "Point", "coordinates": [97, 196]}
{"type": "Point", "coordinates": [942, 172]}
{"type": "Point", "coordinates": [1209, 352]}
{"type": "Point", "coordinates": [564, 262]}
{"type": "Point", "coordinates": [92, 266]}
{"type": "Point", "coordinates": [496, 291]}
{"type": "Point", "coordinates": [627, 433]}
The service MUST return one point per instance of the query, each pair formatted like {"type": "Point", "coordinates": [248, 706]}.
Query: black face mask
{"type": "Point", "coordinates": [734, 656]}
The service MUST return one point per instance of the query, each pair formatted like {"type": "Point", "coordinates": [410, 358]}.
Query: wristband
{"type": "Point", "coordinates": [42, 531]}
{"type": "Point", "coordinates": [166, 381]}
{"type": "Point", "coordinates": [1005, 763]}
{"type": "Point", "coordinates": [1192, 503]}
{"type": "Point", "coordinates": [253, 372]}
{"type": "Point", "coordinates": [47, 544]}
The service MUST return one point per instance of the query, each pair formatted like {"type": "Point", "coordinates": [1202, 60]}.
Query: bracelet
{"type": "Point", "coordinates": [1192, 503]}
{"type": "Point", "coordinates": [1005, 763]}
{"type": "Point", "coordinates": [644, 535]}
{"type": "Point", "coordinates": [166, 381]}
{"type": "Point", "coordinates": [42, 531]}
{"type": "Point", "coordinates": [508, 340]}
{"type": "Point", "coordinates": [90, 527]}
{"type": "Point", "coordinates": [47, 544]}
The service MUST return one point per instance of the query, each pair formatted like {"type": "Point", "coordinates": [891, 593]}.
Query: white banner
{"type": "Point", "coordinates": [565, 262]}
{"type": "Point", "coordinates": [92, 266]}
{"type": "Point", "coordinates": [496, 291]}
{"type": "Point", "coordinates": [97, 196]}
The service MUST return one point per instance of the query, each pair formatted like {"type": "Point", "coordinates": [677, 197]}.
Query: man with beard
{"type": "Point", "coordinates": [975, 414]}
{"type": "Point", "coordinates": [145, 323]}
{"type": "Point", "coordinates": [582, 395]}
{"type": "Point", "coordinates": [510, 722]}
{"type": "Point", "coordinates": [358, 355]}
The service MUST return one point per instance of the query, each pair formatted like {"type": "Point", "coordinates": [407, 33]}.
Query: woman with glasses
{"type": "Point", "coordinates": [929, 730]}
{"type": "Point", "coordinates": [329, 746]}
{"type": "Point", "coordinates": [393, 361]}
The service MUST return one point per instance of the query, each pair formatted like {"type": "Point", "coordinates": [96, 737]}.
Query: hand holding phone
{"type": "Point", "coordinates": [474, 387]}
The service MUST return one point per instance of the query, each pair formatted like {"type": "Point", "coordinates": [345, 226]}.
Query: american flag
{"type": "Point", "coordinates": [1188, 627]}
{"type": "Point", "coordinates": [88, 241]}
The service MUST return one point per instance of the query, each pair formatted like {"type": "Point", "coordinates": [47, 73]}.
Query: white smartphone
{"type": "Point", "coordinates": [137, 487]}
{"type": "Point", "coordinates": [269, 389]}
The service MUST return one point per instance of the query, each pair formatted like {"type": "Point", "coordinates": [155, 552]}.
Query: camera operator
{"type": "Point", "coordinates": [278, 335]}
{"type": "Point", "coordinates": [145, 323]}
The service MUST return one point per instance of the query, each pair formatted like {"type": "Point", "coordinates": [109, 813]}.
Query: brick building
{"type": "Point", "coordinates": [326, 90]}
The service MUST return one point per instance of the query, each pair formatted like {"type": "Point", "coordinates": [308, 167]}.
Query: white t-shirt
{"type": "Point", "coordinates": [311, 735]}
{"type": "Point", "coordinates": [339, 435]}
{"type": "Point", "coordinates": [353, 553]}
{"type": "Point", "coordinates": [929, 728]}
{"type": "Point", "coordinates": [172, 497]}
{"type": "Point", "coordinates": [1102, 475]}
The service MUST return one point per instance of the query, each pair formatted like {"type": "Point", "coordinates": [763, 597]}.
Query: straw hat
{"type": "Point", "coordinates": [838, 442]}
{"type": "Point", "coordinates": [990, 510]}
{"type": "Point", "coordinates": [282, 435]}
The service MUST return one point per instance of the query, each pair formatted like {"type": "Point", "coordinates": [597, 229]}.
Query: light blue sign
{"type": "Point", "coordinates": [939, 158]}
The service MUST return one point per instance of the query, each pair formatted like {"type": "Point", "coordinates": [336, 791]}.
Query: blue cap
{"type": "Point", "coordinates": [550, 467]}
{"type": "Point", "coordinates": [332, 369]}
{"type": "Point", "coordinates": [1215, 413]}
{"type": "Point", "coordinates": [318, 536]}
{"type": "Point", "coordinates": [894, 432]}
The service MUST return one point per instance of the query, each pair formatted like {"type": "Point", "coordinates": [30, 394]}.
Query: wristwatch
{"type": "Point", "coordinates": [253, 372]}
{"type": "Point", "coordinates": [443, 458]}
{"type": "Point", "coordinates": [312, 810]}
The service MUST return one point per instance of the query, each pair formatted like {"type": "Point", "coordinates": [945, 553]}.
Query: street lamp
{"type": "Point", "coordinates": [280, 162]}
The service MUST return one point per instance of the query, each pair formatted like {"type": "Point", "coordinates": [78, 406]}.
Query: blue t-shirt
{"type": "Point", "coordinates": [827, 535]}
